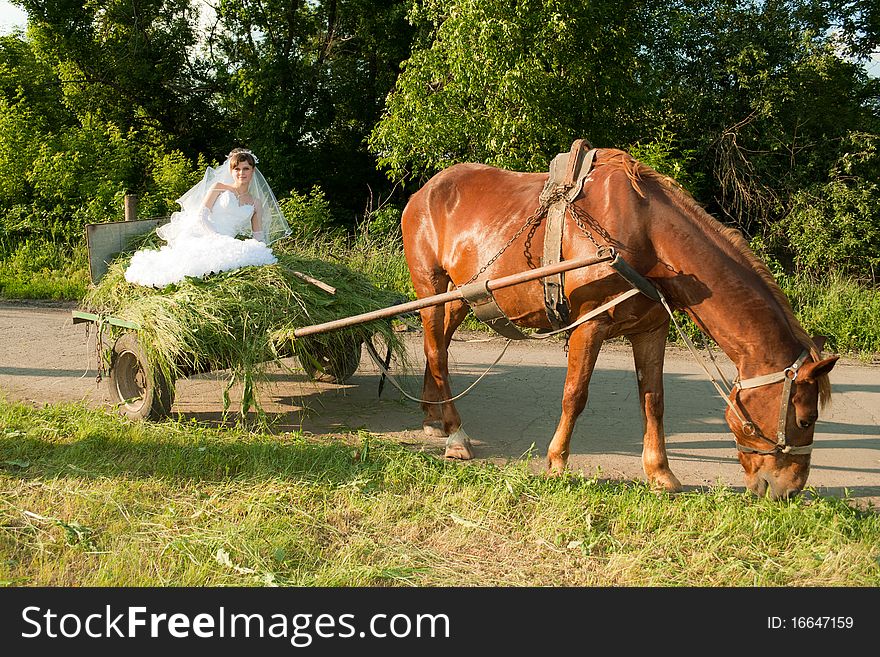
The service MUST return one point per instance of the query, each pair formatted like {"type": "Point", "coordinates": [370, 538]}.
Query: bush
{"type": "Point", "coordinates": [307, 214]}
{"type": "Point", "coordinates": [660, 155]}
{"type": "Point", "coordinates": [40, 269]}
{"type": "Point", "coordinates": [834, 228]}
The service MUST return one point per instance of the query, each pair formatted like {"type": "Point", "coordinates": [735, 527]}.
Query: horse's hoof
{"type": "Point", "coordinates": [434, 429]}
{"type": "Point", "coordinates": [458, 446]}
{"type": "Point", "coordinates": [556, 466]}
{"type": "Point", "coordinates": [666, 481]}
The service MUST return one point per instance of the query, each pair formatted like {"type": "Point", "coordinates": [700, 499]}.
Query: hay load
{"type": "Point", "coordinates": [243, 320]}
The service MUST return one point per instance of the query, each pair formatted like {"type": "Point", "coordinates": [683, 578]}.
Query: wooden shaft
{"type": "Point", "coordinates": [446, 297]}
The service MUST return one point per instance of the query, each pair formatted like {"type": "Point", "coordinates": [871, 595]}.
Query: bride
{"type": "Point", "coordinates": [232, 200]}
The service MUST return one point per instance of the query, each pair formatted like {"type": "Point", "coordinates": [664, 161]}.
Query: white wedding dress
{"type": "Point", "coordinates": [200, 244]}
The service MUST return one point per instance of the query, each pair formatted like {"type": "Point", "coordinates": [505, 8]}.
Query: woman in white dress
{"type": "Point", "coordinates": [232, 200]}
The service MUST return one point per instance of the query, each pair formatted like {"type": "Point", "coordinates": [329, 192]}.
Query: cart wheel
{"type": "Point", "coordinates": [329, 365]}
{"type": "Point", "coordinates": [141, 393]}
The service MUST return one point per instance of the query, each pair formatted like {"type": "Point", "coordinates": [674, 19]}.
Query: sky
{"type": "Point", "coordinates": [11, 17]}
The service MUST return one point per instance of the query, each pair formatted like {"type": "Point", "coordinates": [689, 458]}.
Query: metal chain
{"type": "Point", "coordinates": [573, 211]}
{"type": "Point", "coordinates": [534, 219]}
{"type": "Point", "coordinates": [99, 352]}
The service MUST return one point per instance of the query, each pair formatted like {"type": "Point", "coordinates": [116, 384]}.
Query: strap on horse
{"type": "Point", "coordinates": [481, 300]}
{"type": "Point", "coordinates": [564, 184]}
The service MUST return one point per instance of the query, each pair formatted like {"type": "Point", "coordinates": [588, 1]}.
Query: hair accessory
{"type": "Point", "coordinates": [246, 151]}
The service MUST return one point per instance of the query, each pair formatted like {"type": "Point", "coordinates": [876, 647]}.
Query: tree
{"type": "Point", "coordinates": [129, 63]}
{"type": "Point", "coordinates": [67, 158]}
{"type": "Point", "coordinates": [761, 93]}
{"type": "Point", "coordinates": [305, 82]}
{"type": "Point", "coordinates": [513, 83]}
{"type": "Point", "coordinates": [750, 102]}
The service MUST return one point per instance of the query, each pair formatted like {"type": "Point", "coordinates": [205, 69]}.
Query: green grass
{"type": "Point", "coordinates": [43, 270]}
{"type": "Point", "coordinates": [88, 499]}
{"type": "Point", "coordinates": [846, 311]}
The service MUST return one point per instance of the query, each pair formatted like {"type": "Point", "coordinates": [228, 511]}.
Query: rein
{"type": "Point", "coordinates": [787, 375]}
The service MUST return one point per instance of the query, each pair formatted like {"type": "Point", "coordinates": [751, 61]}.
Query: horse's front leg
{"type": "Point", "coordinates": [649, 350]}
{"type": "Point", "coordinates": [583, 350]}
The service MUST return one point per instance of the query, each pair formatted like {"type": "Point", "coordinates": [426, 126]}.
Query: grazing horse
{"type": "Point", "coordinates": [466, 214]}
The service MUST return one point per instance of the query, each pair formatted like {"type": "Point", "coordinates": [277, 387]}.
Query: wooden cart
{"type": "Point", "coordinates": [138, 390]}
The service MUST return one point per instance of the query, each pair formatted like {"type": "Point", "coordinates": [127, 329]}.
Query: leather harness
{"type": "Point", "coordinates": [568, 171]}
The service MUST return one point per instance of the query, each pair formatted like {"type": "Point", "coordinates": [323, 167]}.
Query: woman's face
{"type": "Point", "coordinates": [242, 173]}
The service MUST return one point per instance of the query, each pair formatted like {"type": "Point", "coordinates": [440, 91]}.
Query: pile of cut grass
{"type": "Point", "coordinates": [242, 320]}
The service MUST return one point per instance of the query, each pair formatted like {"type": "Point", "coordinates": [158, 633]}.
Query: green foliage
{"type": "Point", "coordinates": [306, 92]}
{"type": "Point", "coordinates": [307, 214]}
{"type": "Point", "coordinates": [512, 84]}
{"type": "Point", "coordinates": [835, 227]}
{"type": "Point", "coordinates": [660, 154]}
{"type": "Point", "coordinates": [131, 66]}
{"type": "Point", "coordinates": [384, 221]}
{"type": "Point", "coordinates": [60, 170]}
{"type": "Point", "coordinates": [37, 269]}
{"type": "Point", "coordinates": [762, 97]}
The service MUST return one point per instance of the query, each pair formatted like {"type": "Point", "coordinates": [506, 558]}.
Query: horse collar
{"type": "Point", "coordinates": [787, 375]}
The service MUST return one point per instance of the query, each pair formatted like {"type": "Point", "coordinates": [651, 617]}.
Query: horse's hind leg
{"type": "Point", "coordinates": [439, 324]}
{"type": "Point", "coordinates": [583, 350]}
{"type": "Point", "coordinates": [649, 350]}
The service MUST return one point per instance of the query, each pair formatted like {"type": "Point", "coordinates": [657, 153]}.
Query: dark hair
{"type": "Point", "coordinates": [237, 155]}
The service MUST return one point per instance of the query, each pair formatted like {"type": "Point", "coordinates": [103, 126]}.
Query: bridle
{"type": "Point", "coordinates": [787, 376]}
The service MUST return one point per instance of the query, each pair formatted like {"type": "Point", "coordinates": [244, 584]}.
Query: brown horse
{"type": "Point", "coordinates": [467, 213]}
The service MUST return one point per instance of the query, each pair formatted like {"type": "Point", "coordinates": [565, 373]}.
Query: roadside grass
{"type": "Point", "coordinates": [90, 499]}
{"type": "Point", "coordinates": [846, 311]}
{"type": "Point", "coordinates": [39, 269]}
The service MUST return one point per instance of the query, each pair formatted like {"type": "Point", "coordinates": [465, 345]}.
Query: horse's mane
{"type": "Point", "coordinates": [636, 171]}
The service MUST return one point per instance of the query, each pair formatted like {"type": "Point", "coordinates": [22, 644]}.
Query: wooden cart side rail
{"type": "Point", "coordinates": [80, 316]}
{"type": "Point", "coordinates": [453, 295]}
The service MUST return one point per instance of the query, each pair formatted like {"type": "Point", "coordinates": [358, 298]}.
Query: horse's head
{"type": "Point", "coordinates": [775, 454]}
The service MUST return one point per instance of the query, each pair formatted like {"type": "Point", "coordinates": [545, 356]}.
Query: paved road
{"type": "Point", "coordinates": [45, 358]}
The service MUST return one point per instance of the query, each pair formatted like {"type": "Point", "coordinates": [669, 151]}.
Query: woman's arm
{"type": "Point", "coordinates": [257, 223]}
{"type": "Point", "coordinates": [213, 193]}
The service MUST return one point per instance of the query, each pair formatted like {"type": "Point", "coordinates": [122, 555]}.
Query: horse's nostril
{"type": "Point", "coordinates": [808, 421]}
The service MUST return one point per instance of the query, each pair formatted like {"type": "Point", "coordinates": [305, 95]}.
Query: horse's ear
{"type": "Point", "coordinates": [812, 371]}
{"type": "Point", "coordinates": [819, 341]}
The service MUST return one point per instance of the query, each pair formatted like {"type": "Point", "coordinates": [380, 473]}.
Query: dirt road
{"type": "Point", "coordinates": [44, 358]}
